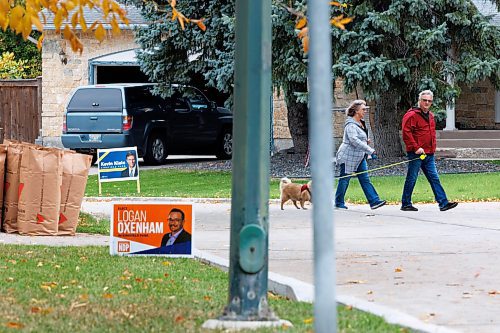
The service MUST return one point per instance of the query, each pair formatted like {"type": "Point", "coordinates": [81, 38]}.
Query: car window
{"type": "Point", "coordinates": [96, 98]}
{"type": "Point", "coordinates": [197, 100]}
{"type": "Point", "coordinates": [140, 97]}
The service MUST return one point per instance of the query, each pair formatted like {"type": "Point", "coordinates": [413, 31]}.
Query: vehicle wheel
{"type": "Point", "coordinates": [94, 158]}
{"type": "Point", "coordinates": [156, 151]}
{"type": "Point", "coordinates": [225, 145]}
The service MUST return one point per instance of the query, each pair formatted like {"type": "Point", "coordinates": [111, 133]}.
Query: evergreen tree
{"type": "Point", "coordinates": [394, 49]}
{"type": "Point", "coordinates": [191, 56]}
{"type": "Point", "coordinates": [205, 59]}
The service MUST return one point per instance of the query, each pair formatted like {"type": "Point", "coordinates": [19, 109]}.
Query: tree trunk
{"type": "Point", "coordinates": [387, 125]}
{"type": "Point", "coordinates": [297, 117]}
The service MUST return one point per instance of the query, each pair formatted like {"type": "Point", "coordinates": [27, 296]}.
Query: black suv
{"type": "Point", "coordinates": [127, 115]}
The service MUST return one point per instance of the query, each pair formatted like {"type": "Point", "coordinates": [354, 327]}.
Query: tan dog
{"type": "Point", "coordinates": [295, 192]}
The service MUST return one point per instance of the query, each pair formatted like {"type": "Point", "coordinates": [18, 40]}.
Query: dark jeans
{"type": "Point", "coordinates": [428, 166]}
{"type": "Point", "coordinates": [364, 181]}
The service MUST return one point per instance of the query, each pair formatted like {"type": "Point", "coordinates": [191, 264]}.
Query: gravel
{"type": "Point", "coordinates": [284, 164]}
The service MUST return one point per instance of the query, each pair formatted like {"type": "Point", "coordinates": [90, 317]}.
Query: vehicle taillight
{"type": "Point", "coordinates": [65, 126]}
{"type": "Point", "coordinates": [127, 123]}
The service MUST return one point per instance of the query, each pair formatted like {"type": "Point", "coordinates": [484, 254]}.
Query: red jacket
{"type": "Point", "coordinates": [419, 132]}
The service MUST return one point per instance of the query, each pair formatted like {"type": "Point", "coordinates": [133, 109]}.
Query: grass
{"type": "Point", "coordinates": [494, 161]}
{"type": "Point", "coordinates": [84, 289]}
{"type": "Point", "coordinates": [208, 184]}
{"type": "Point", "coordinates": [90, 224]}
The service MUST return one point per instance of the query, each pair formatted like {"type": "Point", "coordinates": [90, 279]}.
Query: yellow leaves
{"type": "Point", "coordinates": [340, 21]}
{"type": "Point", "coordinates": [200, 24]}
{"type": "Point", "coordinates": [166, 263]}
{"type": "Point", "coordinates": [107, 296]}
{"type": "Point", "coordinates": [100, 33]}
{"type": "Point", "coordinates": [308, 320]}
{"type": "Point", "coordinates": [301, 23]}
{"type": "Point", "coordinates": [398, 269]}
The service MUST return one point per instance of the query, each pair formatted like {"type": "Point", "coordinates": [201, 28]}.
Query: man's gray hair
{"type": "Point", "coordinates": [425, 92]}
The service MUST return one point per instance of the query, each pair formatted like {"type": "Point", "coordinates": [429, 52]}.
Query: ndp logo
{"type": "Point", "coordinates": [123, 246]}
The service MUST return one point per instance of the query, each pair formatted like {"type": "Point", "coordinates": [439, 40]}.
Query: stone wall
{"type": "Point", "coordinates": [475, 108]}
{"type": "Point", "coordinates": [281, 132]}
{"type": "Point", "coordinates": [60, 79]}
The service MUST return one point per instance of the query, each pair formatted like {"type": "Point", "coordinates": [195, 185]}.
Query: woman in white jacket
{"type": "Point", "coordinates": [352, 154]}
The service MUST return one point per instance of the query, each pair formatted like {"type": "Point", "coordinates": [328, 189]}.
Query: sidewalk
{"type": "Point", "coordinates": [416, 268]}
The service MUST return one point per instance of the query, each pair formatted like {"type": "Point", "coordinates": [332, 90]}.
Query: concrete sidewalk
{"type": "Point", "coordinates": [430, 270]}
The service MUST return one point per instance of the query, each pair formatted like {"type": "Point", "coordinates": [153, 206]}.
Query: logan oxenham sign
{"type": "Point", "coordinates": [152, 229]}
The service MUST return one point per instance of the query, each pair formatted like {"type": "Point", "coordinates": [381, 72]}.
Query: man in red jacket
{"type": "Point", "coordinates": [419, 135]}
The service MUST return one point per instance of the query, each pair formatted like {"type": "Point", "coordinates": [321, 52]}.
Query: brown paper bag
{"type": "Point", "coordinates": [75, 172]}
{"type": "Point", "coordinates": [39, 191]}
{"type": "Point", "coordinates": [3, 156]}
{"type": "Point", "coordinates": [11, 193]}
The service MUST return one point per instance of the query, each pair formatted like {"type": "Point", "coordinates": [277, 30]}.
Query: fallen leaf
{"type": "Point", "coordinates": [166, 263]}
{"type": "Point", "coordinates": [10, 279]}
{"type": "Point", "coordinates": [36, 309]}
{"type": "Point", "coordinates": [493, 292]}
{"type": "Point", "coordinates": [179, 318]}
{"type": "Point", "coordinates": [398, 269]}
{"type": "Point", "coordinates": [308, 320]}
{"type": "Point", "coordinates": [12, 261]}
{"type": "Point", "coordinates": [369, 292]}
{"type": "Point", "coordinates": [107, 295]}
{"type": "Point", "coordinates": [40, 264]}
{"type": "Point", "coordinates": [84, 297]}
{"type": "Point", "coordinates": [355, 282]}
{"type": "Point", "coordinates": [207, 298]}
{"type": "Point", "coordinates": [13, 324]}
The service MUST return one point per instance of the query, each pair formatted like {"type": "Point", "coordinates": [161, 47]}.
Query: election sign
{"type": "Point", "coordinates": [118, 164]}
{"type": "Point", "coordinates": [152, 229]}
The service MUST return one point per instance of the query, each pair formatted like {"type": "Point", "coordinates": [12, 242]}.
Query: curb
{"type": "Point", "coordinates": [297, 290]}
{"type": "Point", "coordinates": [165, 199]}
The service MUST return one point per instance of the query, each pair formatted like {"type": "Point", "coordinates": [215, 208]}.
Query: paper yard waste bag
{"type": "Point", "coordinates": [39, 191]}
{"type": "Point", "coordinates": [74, 180]}
{"type": "Point", "coordinates": [11, 187]}
{"type": "Point", "coordinates": [3, 155]}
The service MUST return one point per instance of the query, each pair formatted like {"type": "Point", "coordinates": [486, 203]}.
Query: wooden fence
{"type": "Point", "coordinates": [20, 109]}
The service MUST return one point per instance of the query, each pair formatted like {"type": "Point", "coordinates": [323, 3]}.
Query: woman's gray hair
{"type": "Point", "coordinates": [425, 92]}
{"type": "Point", "coordinates": [353, 107]}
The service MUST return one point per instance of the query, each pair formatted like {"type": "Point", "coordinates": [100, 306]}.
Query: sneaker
{"type": "Point", "coordinates": [378, 205]}
{"type": "Point", "coordinates": [409, 208]}
{"type": "Point", "coordinates": [340, 207]}
{"type": "Point", "coordinates": [449, 205]}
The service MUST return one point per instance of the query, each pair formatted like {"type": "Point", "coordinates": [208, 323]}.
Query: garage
{"type": "Point", "coordinates": [119, 67]}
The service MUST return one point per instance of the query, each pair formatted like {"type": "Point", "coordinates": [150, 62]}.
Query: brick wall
{"type": "Point", "coordinates": [59, 79]}
{"type": "Point", "coordinates": [281, 133]}
{"type": "Point", "coordinates": [475, 108]}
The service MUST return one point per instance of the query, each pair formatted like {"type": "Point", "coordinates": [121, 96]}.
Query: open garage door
{"type": "Point", "coordinates": [120, 67]}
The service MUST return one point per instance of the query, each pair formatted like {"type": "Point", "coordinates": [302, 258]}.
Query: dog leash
{"type": "Point", "coordinates": [421, 157]}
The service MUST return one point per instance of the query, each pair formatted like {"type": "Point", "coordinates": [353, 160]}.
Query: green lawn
{"type": "Point", "coordinates": [205, 184]}
{"type": "Point", "coordinates": [84, 289]}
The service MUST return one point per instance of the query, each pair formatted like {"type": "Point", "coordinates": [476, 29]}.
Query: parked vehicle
{"type": "Point", "coordinates": [125, 115]}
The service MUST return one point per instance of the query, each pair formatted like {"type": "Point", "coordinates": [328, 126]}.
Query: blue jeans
{"type": "Point", "coordinates": [428, 166]}
{"type": "Point", "coordinates": [364, 181]}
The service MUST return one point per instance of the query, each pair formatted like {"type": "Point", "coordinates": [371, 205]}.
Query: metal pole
{"type": "Point", "coordinates": [321, 147]}
{"type": "Point", "coordinates": [248, 267]}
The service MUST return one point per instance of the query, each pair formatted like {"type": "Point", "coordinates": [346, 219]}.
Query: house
{"type": "Point", "coordinates": [113, 60]}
